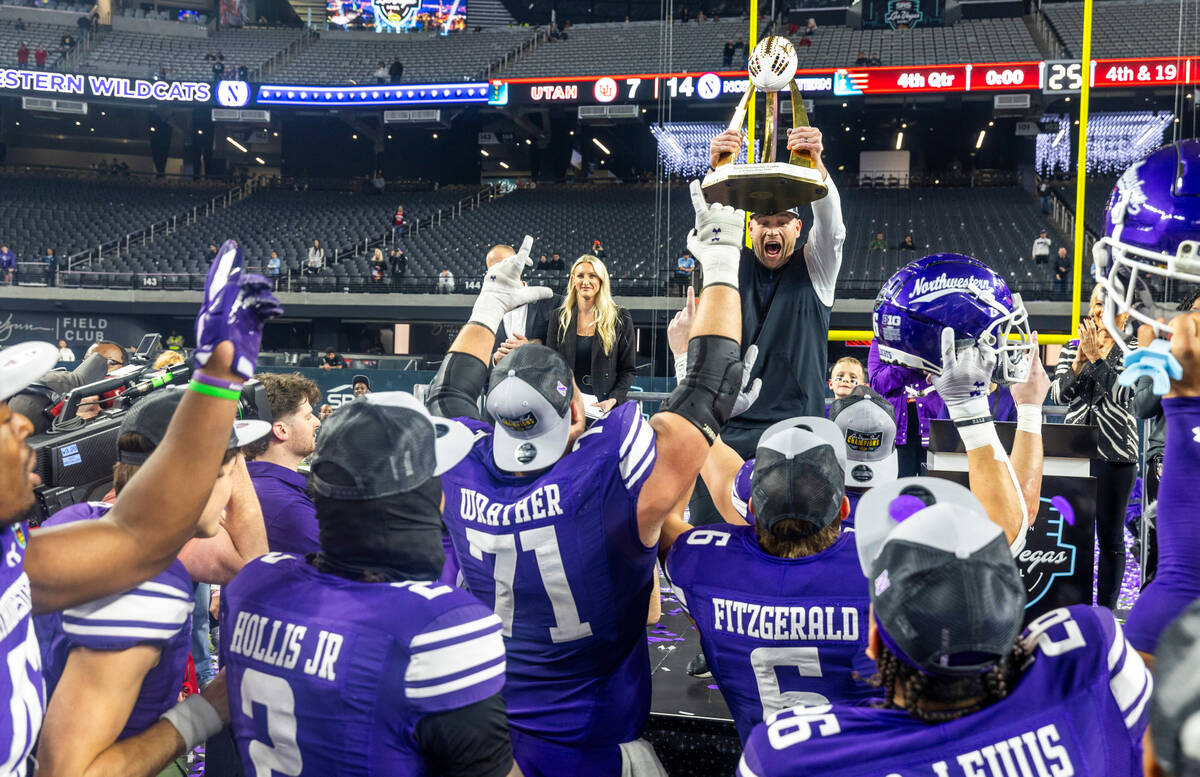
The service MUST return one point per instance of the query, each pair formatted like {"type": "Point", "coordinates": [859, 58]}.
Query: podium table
{"type": "Point", "coordinates": [1057, 562]}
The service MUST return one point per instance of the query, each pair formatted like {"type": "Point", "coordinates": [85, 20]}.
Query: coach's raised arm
{"type": "Point", "coordinates": [786, 293]}
{"type": "Point", "coordinates": [158, 509]}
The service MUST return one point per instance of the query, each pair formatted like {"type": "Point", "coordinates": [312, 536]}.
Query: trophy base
{"type": "Point", "coordinates": [766, 187]}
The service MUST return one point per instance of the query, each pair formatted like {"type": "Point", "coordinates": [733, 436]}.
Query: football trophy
{"type": "Point", "coordinates": [768, 186]}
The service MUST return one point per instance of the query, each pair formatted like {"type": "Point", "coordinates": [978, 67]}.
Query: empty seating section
{"type": "Point", "coordinates": [48, 35]}
{"type": "Point", "coordinates": [637, 47]}
{"type": "Point", "coordinates": [1128, 29]}
{"type": "Point", "coordinates": [141, 54]}
{"type": "Point", "coordinates": [72, 214]}
{"type": "Point", "coordinates": [284, 221]}
{"type": "Point", "coordinates": [340, 58]}
{"type": "Point", "coordinates": [996, 225]}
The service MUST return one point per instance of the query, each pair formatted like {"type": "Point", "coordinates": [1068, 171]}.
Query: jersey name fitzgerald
{"type": "Point", "coordinates": [784, 623]}
{"type": "Point", "coordinates": [544, 502]}
{"type": "Point", "coordinates": [281, 643]}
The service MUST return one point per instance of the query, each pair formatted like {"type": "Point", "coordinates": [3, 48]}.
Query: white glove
{"type": "Point", "coordinates": [749, 392]}
{"type": "Point", "coordinates": [717, 240]}
{"type": "Point", "coordinates": [965, 379]}
{"type": "Point", "coordinates": [503, 289]}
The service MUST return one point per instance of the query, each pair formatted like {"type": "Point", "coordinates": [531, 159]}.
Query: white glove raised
{"type": "Point", "coordinates": [965, 379]}
{"type": "Point", "coordinates": [749, 393]}
{"type": "Point", "coordinates": [503, 289]}
{"type": "Point", "coordinates": [717, 240]}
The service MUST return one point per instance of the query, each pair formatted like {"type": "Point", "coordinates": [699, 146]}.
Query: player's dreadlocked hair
{"type": "Point", "coordinates": [938, 699]}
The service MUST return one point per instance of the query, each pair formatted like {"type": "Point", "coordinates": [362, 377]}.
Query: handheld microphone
{"type": "Point", "coordinates": [177, 374]}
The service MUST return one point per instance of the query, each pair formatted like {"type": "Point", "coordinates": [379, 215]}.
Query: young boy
{"type": "Point", "coordinates": [847, 373]}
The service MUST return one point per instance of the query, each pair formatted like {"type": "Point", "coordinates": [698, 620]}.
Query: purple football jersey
{"type": "Point", "coordinates": [779, 632]}
{"type": "Point", "coordinates": [1080, 708]}
{"type": "Point", "coordinates": [158, 612]}
{"type": "Point", "coordinates": [559, 558]}
{"type": "Point", "coordinates": [330, 677]}
{"type": "Point", "coordinates": [740, 496]}
{"type": "Point", "coordinates": [21, 676]}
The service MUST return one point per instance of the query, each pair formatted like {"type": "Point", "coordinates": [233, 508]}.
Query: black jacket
{"type": "Point", "coordinates": [537, 318]}
{"type": "Point", "coordinates": [612, 373]}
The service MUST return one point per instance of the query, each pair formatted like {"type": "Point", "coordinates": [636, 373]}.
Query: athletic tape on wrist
{"type": "Point", "coordinates": [980, 434]}
{"type": "Point", "coordinates": [195, 719]}
{"type": "Point", "coordinates": [681, 366]}
{"type": "Point", "coordinates": [1029, 419]}
{"type": "Point", "coordinates": [973, 407]}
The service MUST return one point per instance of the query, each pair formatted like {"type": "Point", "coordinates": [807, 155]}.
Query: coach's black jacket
{"type": "Point", "coordinates": [612, 373]}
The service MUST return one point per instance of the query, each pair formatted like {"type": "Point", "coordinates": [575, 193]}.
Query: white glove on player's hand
{"type": "Point", "coordinates": [749, 393]}
{"type": "Point", "coordinates": [717, 240]}
{"type": "Point", "coordinates": [503, 289]}
{"type": "Point", "coordinates": [966, 377]}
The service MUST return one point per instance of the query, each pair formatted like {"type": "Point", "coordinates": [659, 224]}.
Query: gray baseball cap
{"type": "Point", "coordinates": [151, 416]}
{"type": "Point", "coordinates": [947, 594]}
{"type": "Point", "coordinates": [798, 474]}
{"type": "Point", "coordinates": [868, 425]}
{"type": "Point", "coordinates": [382, 444]}
{"type": "Point", "coordinates": [529, 397]}
{"type": "Point", "coordinates": [1175, 706]}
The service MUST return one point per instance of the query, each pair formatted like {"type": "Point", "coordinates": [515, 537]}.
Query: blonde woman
{"type": "Point", "coordinates": [594, 335]}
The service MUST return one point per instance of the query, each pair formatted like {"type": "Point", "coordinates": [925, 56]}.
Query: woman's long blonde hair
{"type": "Point", "coordinates": [377, 256]}
{"type": "Point", "coordinates": [606, 310]}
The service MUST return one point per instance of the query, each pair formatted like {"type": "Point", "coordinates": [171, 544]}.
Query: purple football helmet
{"type": "Point", "coordinates": [1149, 256]}
{"type": "Point", "coordinates": [951, 290]}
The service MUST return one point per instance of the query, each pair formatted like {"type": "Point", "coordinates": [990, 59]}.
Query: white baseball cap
{"type": "Point", "coordinates": [23, 364]}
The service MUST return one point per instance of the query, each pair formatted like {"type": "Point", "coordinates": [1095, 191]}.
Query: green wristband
{"type": "Point", "coordinates": [213, 391]}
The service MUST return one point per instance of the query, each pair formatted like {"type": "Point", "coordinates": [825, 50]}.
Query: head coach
{"type": "Point", "coordinates": [787, 295]}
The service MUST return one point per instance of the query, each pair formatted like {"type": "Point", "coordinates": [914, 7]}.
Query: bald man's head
{"type": "Point", "coordinates": [499, 254]}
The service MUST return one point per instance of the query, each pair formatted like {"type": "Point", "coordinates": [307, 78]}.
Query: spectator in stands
{"type": "Point", "coordinates": [381, 73]}
{"type": "Point", "coordinates": [22, 55]}
{"type": "Point", "coordinates": [445, 282]}
{"type": "Point", "coordinates": [809, 29]}
{"type": "Point", "coordinates": [379, 266]}
{"type": "Point", "coordinates": [1086, 381]}
{"type": "Point", "coordinates": [8, 264]}
{"type": "Point", "coordinates": [378, 182]}
{"type": "Point", "coordinates": [39, 56]}
{"type": "Point", "coordinates": [50, 266]}
{"type": "Point", "coordinates": [396, 71]}
{"type": "Point", "coordinates": [20, 25]}
{"type": "Point", "coordinates": [399, 226]}
{"type": "Point", "coordinates": [332, 360]}
{"type": "Point", "coordinates": [598, 249]}
{"type": "Point", "coordinates": [1041, 248]}
{"type": "Point", "coordinates": [878, 243]}
{"type": "Point", "coordinates": [243, 72]}
{"type": "Point", "coordinates": [862, 59]}
{"type": "Point", "coordinates": [907, 244]}
{"type": "Point", "coordinates": [273, 266]}
{"type": "Point", "coordinates": [594, 336]}
{"type": "Point", "coordinates": [316, 258]}
{"type": "Point", "coordinates": [325, 412]}
{"type": "Point", "coordinates": [218, 69]}
{"type": "Point", "coordinates": [1044, 195]}
{"type": "Point", "coordinates": [556, 263]}
{"type": "Point", "coordinates": [1062, 273]}
{"type": "Point", "coordinates": [685, 265]}
{"type": "Point", "coordinates": [210, 57]}
{"type": "Point", "coordinates": [543, 264]}
{"type": "Point", "coordinates": [65, 354]}
{"type": "Point", "coordinates": [361, 385]}
{"type": "Point", "coordinates": [727, 53]}
{"type": "Point", "coordinates": [399, 262]}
